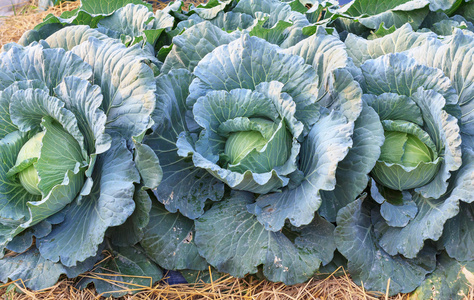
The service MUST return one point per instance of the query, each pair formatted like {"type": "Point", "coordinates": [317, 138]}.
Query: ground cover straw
{"type": "Point", "coordinates": [225, 287]}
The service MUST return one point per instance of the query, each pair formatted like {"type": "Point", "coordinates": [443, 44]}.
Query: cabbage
{"type": "Point", "coordinates": [278, 138]}
{"type": "Point", "coordinates": [263, 132]}
{"type": "Point", "coordinates": [419, 187]}
{"type": "Point", "coordinates": [69, 171]}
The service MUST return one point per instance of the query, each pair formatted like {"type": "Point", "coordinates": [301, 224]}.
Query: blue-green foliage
{"type": "Point", "coordinates": [250, 136]}
{"type": "Point", "coordinates": [74, 110]}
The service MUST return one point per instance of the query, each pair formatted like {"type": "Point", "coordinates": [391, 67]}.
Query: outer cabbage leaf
{"type": "Point", "coordinates": [343, 93]}
{"type": "Point", "coordinates": [130, 20]}
{"type": "Point", "coordinates": [108, 6]}
{"type": "Point", "coordinates": [372, 13]}
{"type": "Point", "coordinates": [69, 37]}
{"type": "Point", "coordinates": [109, 203]}
{"type": "Point", "coordinates": [6, 124]}
{"type": "Point", "coordinates": [126, 82]}
{"type": "Point", "coordinates": [148, 165]}
{"type": "Point", "coordinates": [37, 272]}
{"type": "Point", "coordinates": [391, 106]}
{"type": "Point", "coordinates": [247, 244]}
{"type": "Point", "coordinates": [275, 35]}
{"type": "Point", "coordinates": [28, 37]}
{"type": "Point", "coordinates": [400, 74]}
{"type": "Point", "coordinates": [427, 224]}
{"type": "Point", "coordinates": [233, 66]}
{"type": "Point", "coordinates": [136, 22]}
{"type": "Point", "coordinates": [467, 10]}
{"type": "Point", "coordinates": [398, 207]}
{"type": "Point", "coordinates": [84, 100]}
{"type": "Point", "coordinates": [89, 13]}
{"type": "Point", "coordinates": [231, 21]}
{"type": "Point", "coordinates": [127, 269]}
{"type": "Point", "coordinates": [351, 173]}
{"type": "Point", "coordinates": [452, 279]}
{"type": "Point", "coordinates": [326, 53]}
{"type": "Point", "coordinates": [227, 21]}
{"type": "Point", "coordinates": [446, 5]}
{"type": "Point", "coordinates": [368, 262]}
{"type": "Point", "coordinates": [276, 19]}
{"type": "Point", "coordinates": [193, 44]}
{"type": "Point", "coordinates": [404, 38]}
{"type": "Point", "coordinates": [455, 59]}
{"type": "Point", "coordinates": [23, 241]}
{"type": "Point", "coordinates": [446, 25]}
{"type": "Point", "coordinates": [169, 239]}
{"type": "Point", "coordinates": [210, 9]}
{"type": "Point", "coordinates": [50, 66]}
{"type": "Point", "coordinates": [132, 231]}
{"type": "Point", "coordinates": [184, 187]}
{"type": "Point", "coordinates": [458, 234]}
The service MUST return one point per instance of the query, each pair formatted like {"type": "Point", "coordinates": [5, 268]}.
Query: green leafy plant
{"type": "Point", "coordinates": [278, 138]}
{"type": "Point", "coordinates": [67, 146]}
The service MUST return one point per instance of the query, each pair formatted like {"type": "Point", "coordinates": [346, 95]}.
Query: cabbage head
{"type": "Point", "coordinates": [257, 145]}
{"type": "Point", "coordinates": [66, 139]}
{"type": "Point", "coordinates": [420, 195]}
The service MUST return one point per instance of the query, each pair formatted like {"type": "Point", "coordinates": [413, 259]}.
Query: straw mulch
{"type": "Point", "coordinates": [11, 29]}
{"type": "Point", "coordinates": [223, 288]}
{"type": "Point", "coordinates": [26, 17]}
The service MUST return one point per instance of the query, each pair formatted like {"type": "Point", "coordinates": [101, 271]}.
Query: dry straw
{"type": "Point", "coordinates": [25, 18]}
{"type": "Point", "coordinates": [227, 287]}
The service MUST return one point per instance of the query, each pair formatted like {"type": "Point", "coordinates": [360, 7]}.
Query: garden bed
{"type": "Point", "coordinates": [227, 287]}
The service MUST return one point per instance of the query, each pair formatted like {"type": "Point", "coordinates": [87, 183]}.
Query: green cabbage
{"type": "Point", "coordinates": [283, 138]}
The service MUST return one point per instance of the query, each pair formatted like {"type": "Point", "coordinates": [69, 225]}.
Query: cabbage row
{"type": "Point", "coordinates": [278, 138]}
